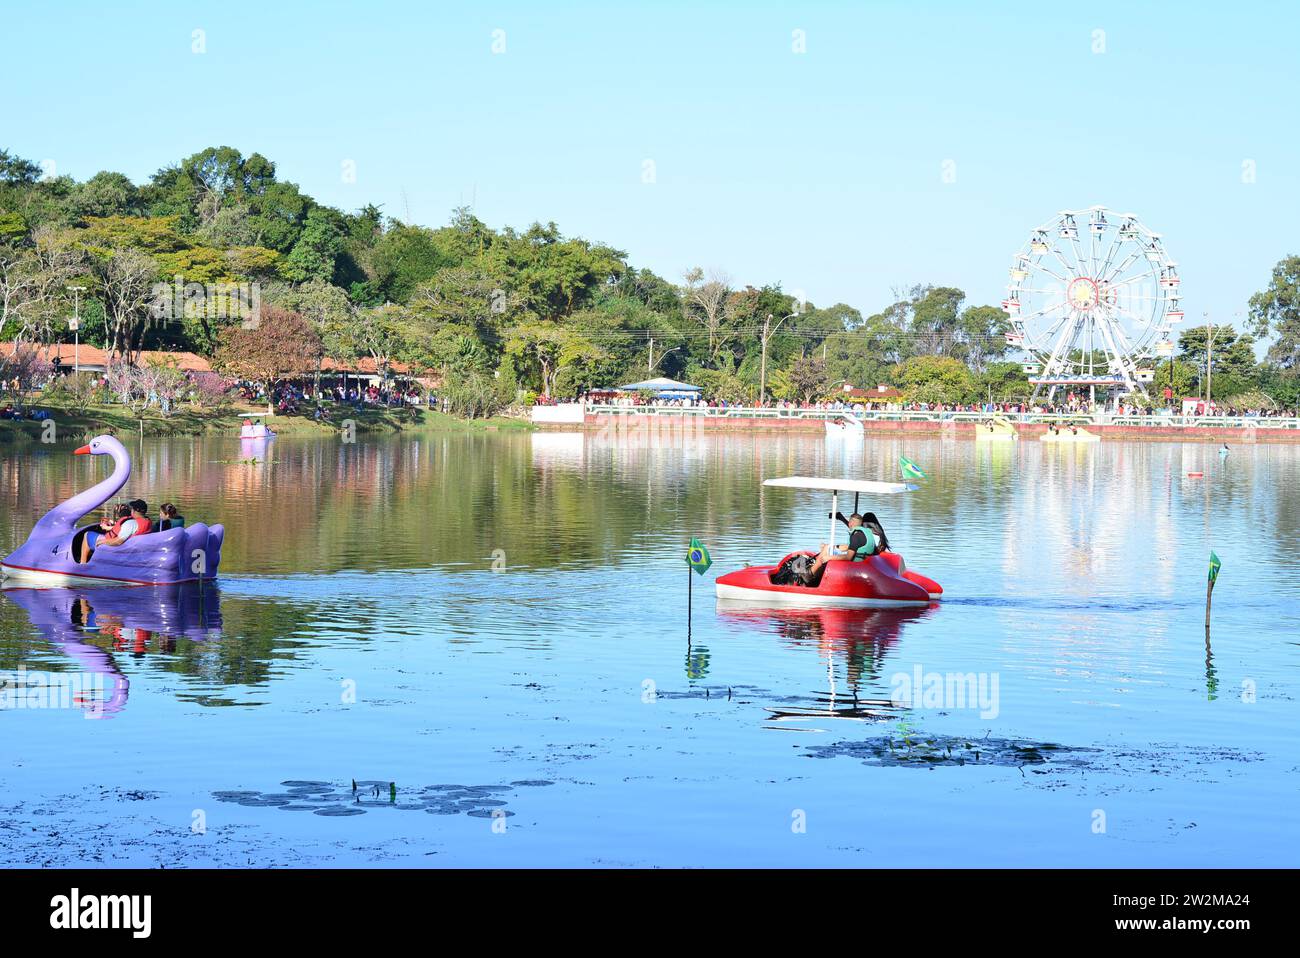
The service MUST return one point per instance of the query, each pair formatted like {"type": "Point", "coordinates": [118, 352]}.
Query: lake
{"type": "Point", "coordinates": [487, 634]}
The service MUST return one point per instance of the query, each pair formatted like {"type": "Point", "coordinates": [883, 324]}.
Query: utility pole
{"type": "Point", "coordinates": [1209, 359]}
{"type": "Point", "coordinates": [768, 332]}
{"type": "Point", "coordinates": [650, 360]}
{"type": "Point", "coordinates": [76, 328]}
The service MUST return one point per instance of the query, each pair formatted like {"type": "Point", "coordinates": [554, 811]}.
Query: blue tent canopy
{"type": "Point", "coordinates": [663, 387]}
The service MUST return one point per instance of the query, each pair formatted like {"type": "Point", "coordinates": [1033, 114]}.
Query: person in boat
{"type": "Point", "coordinates": [112, 532]}
{"type": "Point", "coordinates": [862, 543]}
{"type": "Point", "coordinates": [872, 525]}
{"type": "Point", "coordinates": [169, 518]}
{"type": "Point", "coordinates": [140, 513]}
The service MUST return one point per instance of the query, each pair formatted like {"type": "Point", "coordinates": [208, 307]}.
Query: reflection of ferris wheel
{"type": "Point", "coordinates": [1092, 295]}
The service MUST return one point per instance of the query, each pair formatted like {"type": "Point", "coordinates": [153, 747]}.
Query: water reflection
{"type": "Point", "coordinates": [856, 640]}
{"type": "Point", "coordinates": [92, 627]}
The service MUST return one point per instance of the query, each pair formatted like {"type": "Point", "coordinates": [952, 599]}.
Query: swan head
{"type": "Point", "coordinates": [99, 446]}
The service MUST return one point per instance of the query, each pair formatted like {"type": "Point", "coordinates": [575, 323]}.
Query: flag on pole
{"type": "Point", "coordinates": [698, 557]}
{"type": "Point", "coordinates": [1215, 566]}
{"type": "Point", "coordinates": [910, 469]}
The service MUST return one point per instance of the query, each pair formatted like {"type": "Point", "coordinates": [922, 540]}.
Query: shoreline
{"type": "Point", "coordinates": [191, 423]}
{"type": "Point", "coordinates": [946, 429]}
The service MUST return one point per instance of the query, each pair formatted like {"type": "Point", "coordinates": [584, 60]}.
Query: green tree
{"type": "Point", "coordinates": [315, 256]}
{"type": "Point", "coordinates": [940, 379]}
{"type": "Point", "coordinates": [1277, 310]}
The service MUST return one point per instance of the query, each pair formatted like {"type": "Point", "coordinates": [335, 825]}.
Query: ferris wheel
{"type": "Point", "coordinates": [1093, 299]}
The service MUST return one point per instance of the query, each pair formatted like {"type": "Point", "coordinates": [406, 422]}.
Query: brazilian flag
{"type": "Point", "coordinates": [910, 469]}
{"type": "Point", "coordinates": [1215, 566]}
{"type": "Point", "coordinates": [698, 557]}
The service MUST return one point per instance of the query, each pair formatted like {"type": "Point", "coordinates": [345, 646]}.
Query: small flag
{"type": "Point", "coordinates": [698, 557]}
{"type": "Point", "coordinates": [1215, 566]}
{"type": "Point", "coordinates": [910, 469]}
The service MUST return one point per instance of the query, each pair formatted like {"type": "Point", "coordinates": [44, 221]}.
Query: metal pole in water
{"type": "Point", "coordinates": [690, 584]}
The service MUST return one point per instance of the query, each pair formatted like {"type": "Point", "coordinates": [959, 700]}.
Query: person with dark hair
{"type": "Point", "coordinates": [871, 524]}
{"type": "Point", "coordinates": [140, 513]}
{"type": "Point", "coordinates": [169, 518]}
{"type": "Point", "coordinates": [882, 541]}
{"type": "Point", "coordinates": [113, 531]}
{"type": "Point", "coordinates": [862, 543]}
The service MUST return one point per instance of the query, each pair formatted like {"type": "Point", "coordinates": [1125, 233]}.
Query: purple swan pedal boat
{"type": "Point", "coordinates": [51, 555]}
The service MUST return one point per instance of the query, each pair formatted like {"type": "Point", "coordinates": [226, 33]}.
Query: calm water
{"type": "Point", "coordinates": [509, 611]}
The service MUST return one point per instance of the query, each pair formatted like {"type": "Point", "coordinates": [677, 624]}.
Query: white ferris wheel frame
{"type": "Point", "coordinates": [1074, 286]}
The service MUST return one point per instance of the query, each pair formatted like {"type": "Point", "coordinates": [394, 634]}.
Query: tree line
{"type": "Point", "coordinates": [498, 314]}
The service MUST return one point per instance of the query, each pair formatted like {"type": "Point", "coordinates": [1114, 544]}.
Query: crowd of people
{"type": "Point", "coordinates": [288, 398]}
{"type": "Point", "coordinates": [1070, 405]}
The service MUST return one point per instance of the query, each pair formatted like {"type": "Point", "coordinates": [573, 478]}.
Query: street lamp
{"type": "Point", "coordinates": [651, 362]}
{"type": "Point", "coordinates": [75, 325]}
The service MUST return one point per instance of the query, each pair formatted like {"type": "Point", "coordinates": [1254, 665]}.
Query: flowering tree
{"type": "Point", "coordinates": [282, 345]}
{"type": "Point", "coordinates": [22, 369]}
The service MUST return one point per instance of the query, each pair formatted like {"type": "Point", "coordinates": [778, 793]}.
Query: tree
{"type": "Point", "coordinates": [22, 367]}
{"type": "Point", "coordinates": [105, 194]}
{"type": "Point", "coordinates": [282, 345]}
{"type": "Point", "coordinates": [33, 285]}
{"type": "Point", "coordinates": [402, 259]}
{"type": "Point", "coordinates": [808, 378]}
{"type": "Point", "coordinates": [14, 169]}
{"type": "Point", "coordinates": [935, 327]}
{"type": "Point", "coordinates": [538, 345]}
{"type": "Point", "coordinates": [1277, 309]}
{"type": "Point", "coordinates": [1005, 382]}
{"type": "Point", "coordinates": [126, 284]}
{"type": "Point", "coordinates": [315, 255]}
{"type": "Point", "coordinates": [705, 301]}
{"type": "Point", "coordinates": [936, 379]}
{"type": "Point", "coordinates": [982, 335]}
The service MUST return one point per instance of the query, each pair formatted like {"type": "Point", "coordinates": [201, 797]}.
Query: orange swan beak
{"type": "Point", "coordinates": [83, 451]}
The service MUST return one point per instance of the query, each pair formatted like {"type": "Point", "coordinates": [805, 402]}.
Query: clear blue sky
{"type": "Point", "coordinates": [821, 170]}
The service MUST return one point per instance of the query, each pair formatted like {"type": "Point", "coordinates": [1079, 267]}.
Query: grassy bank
{"type": "Point", "coordinates": [97, 420]}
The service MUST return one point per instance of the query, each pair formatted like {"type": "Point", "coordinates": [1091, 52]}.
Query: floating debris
{"type": "Point", "coordinates": [913, 750]}
{"type": "Point", "coordinates": [357, 797]}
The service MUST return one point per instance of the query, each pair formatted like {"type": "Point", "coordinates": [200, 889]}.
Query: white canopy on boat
{"type": "Point", "coordinates": [840, 485]}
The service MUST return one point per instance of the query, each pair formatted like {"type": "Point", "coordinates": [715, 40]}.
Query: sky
{"type": "Point", "coordinates": [841, 150]}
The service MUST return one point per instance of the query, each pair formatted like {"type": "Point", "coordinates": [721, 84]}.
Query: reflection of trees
{"type": "Point", "coordinates": [441, 499]}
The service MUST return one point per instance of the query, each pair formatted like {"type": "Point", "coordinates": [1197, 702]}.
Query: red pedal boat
{"type": "Point", "coordinates": [879, 581]}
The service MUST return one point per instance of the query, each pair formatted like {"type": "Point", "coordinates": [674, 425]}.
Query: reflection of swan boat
{"type": "Point", "coordinates": [877, 581]}
{"type": "Point", "coordinates": [52, 553]}
{"type": "Point", "coordinates": [255, 448]}
{"type": "Point", "coordinates": [995, 429]}
{"type": "Point", "coordinates": [1070, 434]}
{"type": "Point", "coordinates": [128, 618]}
{"type": "Point", "coordinates": [845, 427]}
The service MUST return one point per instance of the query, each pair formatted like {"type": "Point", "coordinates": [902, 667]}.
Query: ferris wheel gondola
{"type": "Point", "coordinates": [1090, 296]}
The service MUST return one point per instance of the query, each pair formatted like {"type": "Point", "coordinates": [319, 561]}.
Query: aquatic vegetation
{"type": "Point", "coordinates": [359, 796]}
{"type": "Point", "coordinates": [908, 748]}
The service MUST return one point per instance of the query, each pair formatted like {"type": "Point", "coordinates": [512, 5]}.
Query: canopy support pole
{"type": "Point", "coordinates": [835, 507]}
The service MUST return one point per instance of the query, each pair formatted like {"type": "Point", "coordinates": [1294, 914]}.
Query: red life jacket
{"type": "Point", "coordinates": [143, 525]}
{"type": "Point", "coordinates": [117, 528]}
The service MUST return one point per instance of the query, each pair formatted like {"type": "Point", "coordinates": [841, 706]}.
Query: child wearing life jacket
{"type": "Point", "coordinates": [112, 531]}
